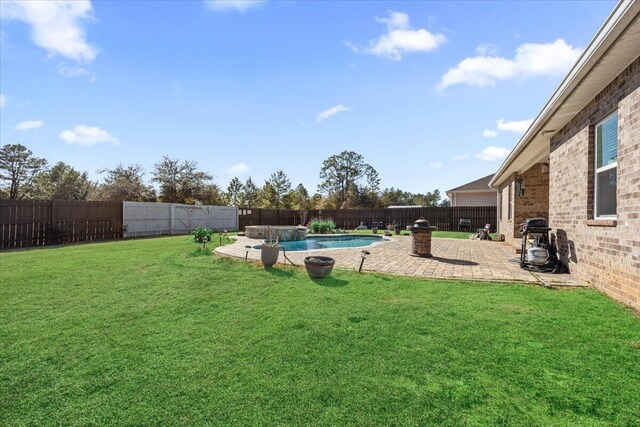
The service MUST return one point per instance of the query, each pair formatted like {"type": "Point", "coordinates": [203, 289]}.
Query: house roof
{"type": "Point", "coordinates": [476, 186]}
{"type": "Point", "coordinates": [614, 47]}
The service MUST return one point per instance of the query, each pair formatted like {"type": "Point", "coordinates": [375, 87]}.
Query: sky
{"type": "Point", "coordinates": [432, 94]}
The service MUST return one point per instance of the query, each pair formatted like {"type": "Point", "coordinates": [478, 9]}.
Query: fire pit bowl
{"type": "Point", "coordinates": [421, 238]}
{"type": "Point", "coordinates": [319, 266]}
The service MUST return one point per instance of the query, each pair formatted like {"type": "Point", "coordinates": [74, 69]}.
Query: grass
{"type": "Point", "coordinates": [157, 332]}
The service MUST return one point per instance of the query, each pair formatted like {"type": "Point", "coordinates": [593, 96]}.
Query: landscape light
{"type": "Point", "coordinates": [246, 255]}
{"type": "Point", "coordinates": [363, 255]}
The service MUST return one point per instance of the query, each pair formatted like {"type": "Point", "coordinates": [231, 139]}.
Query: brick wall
{"type": "Point", "coordinates": [505, 223]}
{"type": "Point", "coordinates": [474, 199]}
{"type": "Point", "coordinates": [604, 253]}
{"type": "Point", "coordinates": [534, 203]}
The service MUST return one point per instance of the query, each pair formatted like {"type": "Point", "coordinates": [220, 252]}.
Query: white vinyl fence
{"type": "Point", "coordinates": [154, 219]}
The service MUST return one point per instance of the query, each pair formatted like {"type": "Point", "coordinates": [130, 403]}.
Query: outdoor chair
{"type": "Point", "coordinates": [464, 223]}
{"type": "Point", "coordinates": [483, 233]}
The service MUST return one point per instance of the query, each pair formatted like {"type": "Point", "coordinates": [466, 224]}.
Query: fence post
{"type": "Point", "coordinates": [171, 210]}
{"type": "Point", "coordinates": [51, 218]}
{"type": "Point", "coordinates": [451, 224]}
{"type": "Point", "coordinates": [237, 219]}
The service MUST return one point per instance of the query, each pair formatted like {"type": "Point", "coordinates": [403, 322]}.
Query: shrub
{"type": "Point", "coordinates": [330, 226]}
{"type": "Point", "coordinates": [202, 235]}
{"type": "Point", "coordinates": [319, 226]}
{"type": "Point", "coordinates": [56, 235]}
{"type": "Point", "coordinates": [315, 225]}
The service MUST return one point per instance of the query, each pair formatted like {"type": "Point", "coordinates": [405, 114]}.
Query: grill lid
{"type": "Point", "coordinates": [535, 223]}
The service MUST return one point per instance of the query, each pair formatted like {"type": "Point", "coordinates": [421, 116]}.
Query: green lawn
{"type": "Point", "coordinates": [145, 332]}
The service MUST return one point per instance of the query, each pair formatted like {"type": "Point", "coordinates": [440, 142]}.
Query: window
{"type": "Point", "coordinates": [509, 204]}
{"type": "Point", "coordinates": [606, 167]}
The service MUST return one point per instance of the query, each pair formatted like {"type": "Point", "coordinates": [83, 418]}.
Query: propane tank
{"type": "Point", "coordinates": [537, 256]}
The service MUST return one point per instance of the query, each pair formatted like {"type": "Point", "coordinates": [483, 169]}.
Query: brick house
{"type": "Point", "coordinates": [474, 193]}
{"type": "Point", "coordinates": [579, 163]}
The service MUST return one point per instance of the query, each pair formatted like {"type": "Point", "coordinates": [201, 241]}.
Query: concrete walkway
{"type": "Point", "coordinates": [452, 259]}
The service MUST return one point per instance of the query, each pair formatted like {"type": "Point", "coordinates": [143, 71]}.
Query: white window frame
{"type": "Point", "coordinates": [510, 203]}
{"type": "Point", "coordinates": [602, 169]}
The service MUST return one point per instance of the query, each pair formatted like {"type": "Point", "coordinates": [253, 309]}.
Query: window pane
{"type": "Point", "coordinates": [606, 203]}
{"type": "Point", "coordinates": [607, 138]}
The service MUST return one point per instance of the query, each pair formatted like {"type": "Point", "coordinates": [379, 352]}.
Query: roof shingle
{"type": "Point", "coordinates": [477, 185]}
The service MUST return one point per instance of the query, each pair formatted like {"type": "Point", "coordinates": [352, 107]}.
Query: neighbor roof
{"type": "Point", "coordinates": [481, 184]}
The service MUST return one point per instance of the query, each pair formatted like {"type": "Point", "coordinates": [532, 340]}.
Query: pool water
{"type": "Point", "coordinates": [329, 242]}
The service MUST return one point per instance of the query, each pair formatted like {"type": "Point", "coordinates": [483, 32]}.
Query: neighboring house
{"type": "Point", "coordinates": [579, 163]}
{"type": "Point", "coordinates": [474, 193]}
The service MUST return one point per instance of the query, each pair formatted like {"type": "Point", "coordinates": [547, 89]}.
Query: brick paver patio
{"type": "Point", "coordinates": [452, 259]}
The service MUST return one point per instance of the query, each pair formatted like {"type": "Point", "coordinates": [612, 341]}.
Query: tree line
{"type": "Point", "coordinates": [347, 182]}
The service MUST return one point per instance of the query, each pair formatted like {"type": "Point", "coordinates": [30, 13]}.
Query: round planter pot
{"type": "Point", "coordinates": [269, 255]}
{"type": "Point", "coordinates": [374, 230]}
{"type": "Point", "coordinates": [319, 266]}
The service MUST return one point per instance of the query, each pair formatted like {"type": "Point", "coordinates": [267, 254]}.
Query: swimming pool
{"type": "Point", "coordinates": [329, 242]}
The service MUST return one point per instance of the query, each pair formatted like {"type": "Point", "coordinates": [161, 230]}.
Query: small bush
{"type": "Point", "coordinates": [56, 235]}
{"type": "Point", "coordinates": [202, 235]}
{"type": "Point", "coordinates": [319, 226]}
{"type": "Point", "coordinates": [330, 226]}
{"type": "Point", "coordinates": [314, 225]}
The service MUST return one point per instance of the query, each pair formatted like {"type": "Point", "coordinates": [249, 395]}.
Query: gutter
{"type": "Point", "coordinates": [598, 46]}
{"type": "Point", "coordinates": [488, 190]}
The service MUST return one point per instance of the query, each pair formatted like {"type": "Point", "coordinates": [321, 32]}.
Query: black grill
{"type": "Point", "coordinates": [534, 225]}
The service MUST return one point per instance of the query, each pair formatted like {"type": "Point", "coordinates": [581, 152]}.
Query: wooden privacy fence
{"type": "Point", "coordinates": [445, 218]}
{"type": "Point", "coordinates": [25, 223]}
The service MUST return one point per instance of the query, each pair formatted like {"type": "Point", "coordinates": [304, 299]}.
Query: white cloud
{"type": "Point", "coordinates": [436, 165]}
{"type": "Point", "coordinates": [515, 126]}
{"type": "Point", "coordinates": [55, 25]}
{"type": "Point", "coordinates": [492, 153]}
{"type": "Point", "coordinates": [400, 39]}
{"type": "Point", "coordinates": [488, 133]}
{"type": "Point", "coordinates": [70, 72]}
{"type": "Point", "coordinates": [330, 112]}
{"type": "Point", "coordinates": [3, 100]}
{"type": "Point", "coordinates": [461, 156]}
{"type": "Point", "coordinates": [530, 60]}
{"type": "Point", "coordinates": [66, 71]}
{"type": "Point", "coordinates": [87, 135]}
{"type": "Point", "coordinates": [237, 169]}
{"type": "Point", "coordinates": [29, 124]}
{"type": "Point", "coordinates": [237, 5]}
{"type": "Point", "coordinates": [486, 49]}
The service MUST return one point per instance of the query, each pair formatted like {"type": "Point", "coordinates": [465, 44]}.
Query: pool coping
{"type": "Point", "coordinates": [383, 239]}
